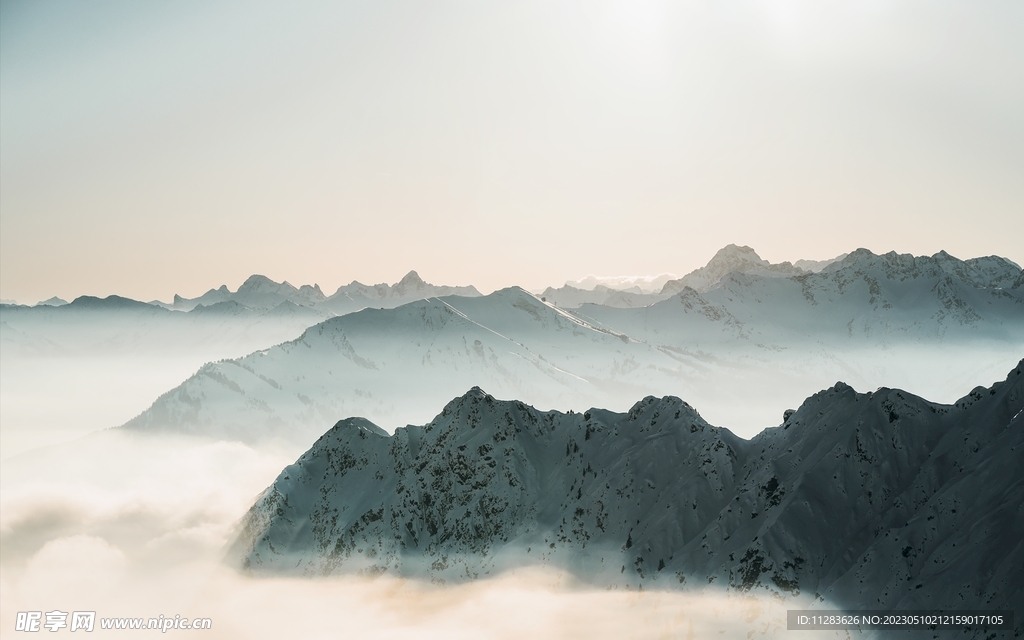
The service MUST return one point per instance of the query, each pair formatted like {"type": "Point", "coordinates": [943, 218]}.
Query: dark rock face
{"type": "Point", "coordinates": [880, 499]}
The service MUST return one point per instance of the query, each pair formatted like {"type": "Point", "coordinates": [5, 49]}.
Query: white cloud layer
{"type": "Point", "coordinates": [138, 528]}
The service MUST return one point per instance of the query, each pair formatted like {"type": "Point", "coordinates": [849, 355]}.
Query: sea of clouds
{"type": "Point", "coordinates": [131, 526]}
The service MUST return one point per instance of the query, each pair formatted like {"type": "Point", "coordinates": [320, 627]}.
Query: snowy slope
{"type": "Point", "coordinates": [880, 500]}
{"type": "Point", "coordinates": [393, 364]}
{"type": "Point", "coordinates": [569, 297]}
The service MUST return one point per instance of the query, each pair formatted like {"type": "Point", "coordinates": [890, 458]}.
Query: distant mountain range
{"type": "Point", "coordinates": [262, 293]}
{"type": "Point", "coordinates": [729, 259]}
{"type": "Point", "coordinates": [987, 272]}
{"type": "Point", "coordinates": [259, 314]}
{"type": "Point", "coordinates": [880, 298]}
{"type": "Point", "coordinates": [856, 318]}
{"type": "Point", "coordinates": [116, 326]}
{"type": "Point", "coordinates": [877, 500]}
{"type": "Point", "coordinates": [632, 284]}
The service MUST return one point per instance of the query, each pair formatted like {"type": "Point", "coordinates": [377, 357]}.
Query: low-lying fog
{"type": "Point", "coordinates": [131, 527]}
{"type": "Point", "coordinates": [134, 526]}
{"type": "Point", "coordinates": [49, 399]}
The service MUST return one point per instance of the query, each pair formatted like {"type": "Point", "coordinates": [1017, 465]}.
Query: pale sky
{"type": "Point", "coordinates": [148, 148]}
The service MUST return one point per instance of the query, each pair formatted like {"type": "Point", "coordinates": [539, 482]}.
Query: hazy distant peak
{"type": "Point", "coordinates": [286, 305]}
{"type": "Point", "coordinates": [729, 259]}
{"type": "Point", "coordinates": [411, 279]}
{"type": "Point", "coordinates": [630, 284]}
{"type": "Point", "coordinates": [857, 255]}
{"type": "Point", "coordinates": [254, 281]}
{"type": "Point", "coordinates": [742, 258]}
{"type": "Point", "coordinates": [411, 282]}
{"type": "Point", "coordinates": [572, 297]}
{"type": "Point", "coordinates": [735, 258]}
{"type": "Point", "coordinates": [226, 307]}
{"type": "Point", "coordinates": [356, 295]}
{"type": "Point", "coordinates": [262, 284]}
{"type": "Point", "coordinates": [741, 251]}
{"type": "Point", "coordinates": [312, 292]}
{"type": "Point", "coordinates": [110, 302]}
{"type": "Point", "coordinates": [610, 290]}
{"type": "Point", "coordinates": [211, 297]}
{"type": "Point", "coordinates": [516, 294]}
{"type": "Point", "coordinates": [52, 302]}
{"type": "Point", "coordinates": [815, 266]}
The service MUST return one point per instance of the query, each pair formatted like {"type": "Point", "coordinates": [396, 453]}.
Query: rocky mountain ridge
{"type": "Point", "coordinates": [875, 500]}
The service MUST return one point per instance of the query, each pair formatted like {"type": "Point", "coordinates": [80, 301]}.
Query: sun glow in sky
{"type": "Point", "coordinates": [148, 149]}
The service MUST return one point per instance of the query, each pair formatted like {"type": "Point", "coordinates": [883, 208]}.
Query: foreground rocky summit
{"type": "Point", "coordinates": [866, 499]}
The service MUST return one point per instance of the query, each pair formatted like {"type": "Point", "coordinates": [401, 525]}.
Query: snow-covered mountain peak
{"type": "Point", "coordinates": [815, 266]}
{"type": "Point", "coordinates": [521, 299]}
{"type": "Point", "coordinates": [733, 253]}
{"type": "Point", "coordinates": [729, 259]}
{"type": "Point", "coordinates": [312, 292]}
{"type": "Point", "coordinates": [650, 409]}
{"type": "Point", "coordinates": [476, 394]}
{"type": "Point", "coordinates": [358, 424]}
{"type": "Point", "coordinates": [262, 284]}
{"type": "Point", "coordinates": [411, 287]}
{"type": "Point", "coordinates": [259, 294]}
{"type": "Point", "coordinates": [109, 303]}
{"type": "Point", "coordinates": [853, 257]}
{"type": "Point", "coordinates": [892, 263]}
{"type": "Point", "coordinates": [515, 294]}
{"type": "Point", "coordinates": [637, 284]}
{"type": "Point", "coordinates": [227, 307]}
{"type": "Point", "coordinates": [411, 280]}
{"type": "Point", "coordinates": [465, 410]}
